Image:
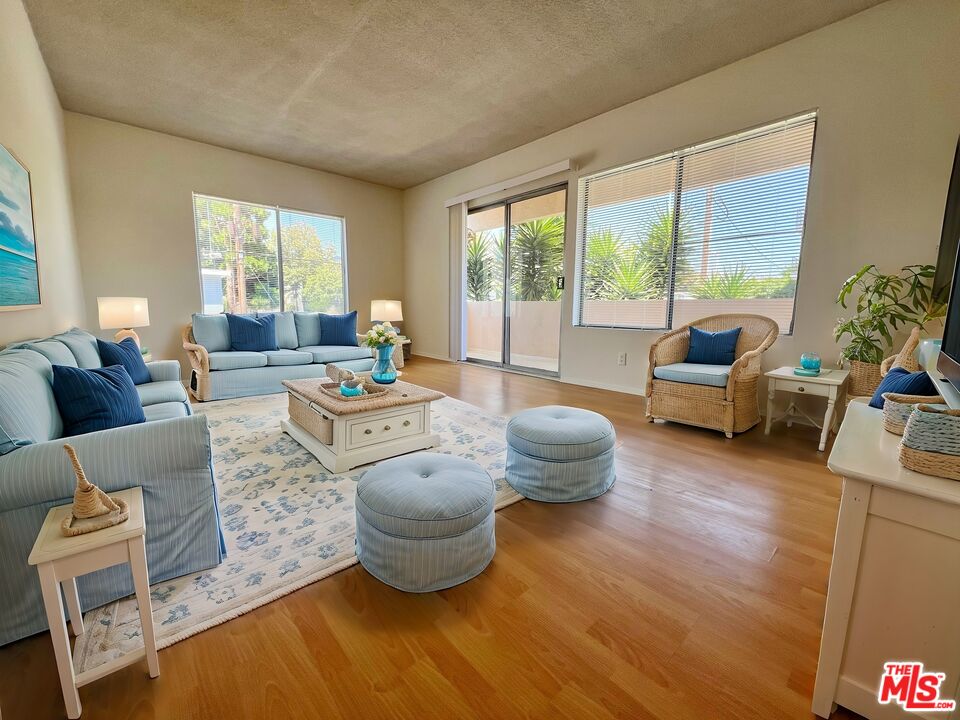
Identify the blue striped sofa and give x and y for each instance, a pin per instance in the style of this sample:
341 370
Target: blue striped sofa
219 373
169 457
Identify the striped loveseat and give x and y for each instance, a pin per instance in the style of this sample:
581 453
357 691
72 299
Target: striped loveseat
169 456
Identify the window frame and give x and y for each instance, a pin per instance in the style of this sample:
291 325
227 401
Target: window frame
679 154
277 209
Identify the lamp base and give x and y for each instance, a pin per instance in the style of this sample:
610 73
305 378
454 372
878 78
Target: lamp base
127 333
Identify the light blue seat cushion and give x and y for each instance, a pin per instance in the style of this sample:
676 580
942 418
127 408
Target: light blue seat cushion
425 521
166 410
286 329
28 410
288 357
236 360
556 432
155 393
335 353
211 331
53 350
83 345
694 373
560 454
308 328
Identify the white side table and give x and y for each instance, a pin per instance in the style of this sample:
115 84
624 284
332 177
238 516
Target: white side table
60 560
831 383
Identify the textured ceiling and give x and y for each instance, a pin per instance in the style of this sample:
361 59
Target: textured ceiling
392 92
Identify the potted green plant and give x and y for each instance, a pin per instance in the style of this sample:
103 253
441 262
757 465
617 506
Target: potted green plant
883 304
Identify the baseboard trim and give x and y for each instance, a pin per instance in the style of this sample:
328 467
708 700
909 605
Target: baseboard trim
432 356
627 389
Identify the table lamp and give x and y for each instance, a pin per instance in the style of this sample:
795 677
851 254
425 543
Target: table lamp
386 310
124 313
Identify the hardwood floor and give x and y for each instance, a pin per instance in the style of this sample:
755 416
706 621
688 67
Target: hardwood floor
694 588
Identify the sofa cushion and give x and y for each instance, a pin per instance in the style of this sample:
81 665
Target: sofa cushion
231 360
713 348
83 345
286 330
253 334
335 353
126 353
165 411
308 328
694 373
211 331
901 380
288 357
338 329
95 399
28 411
53 350
155 393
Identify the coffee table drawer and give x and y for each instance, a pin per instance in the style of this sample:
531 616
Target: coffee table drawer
385 426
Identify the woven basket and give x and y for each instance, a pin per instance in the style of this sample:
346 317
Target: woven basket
864 377
309 419
897 408
931 442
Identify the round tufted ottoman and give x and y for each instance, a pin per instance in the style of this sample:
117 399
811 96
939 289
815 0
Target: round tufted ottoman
425 521
560 454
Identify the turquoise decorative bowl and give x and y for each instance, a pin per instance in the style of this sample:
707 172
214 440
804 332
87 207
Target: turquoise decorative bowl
351 392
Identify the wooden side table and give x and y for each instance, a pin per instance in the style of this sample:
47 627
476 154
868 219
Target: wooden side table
831 383
60 560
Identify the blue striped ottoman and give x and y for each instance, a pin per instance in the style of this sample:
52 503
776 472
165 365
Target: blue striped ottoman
560 454
425 521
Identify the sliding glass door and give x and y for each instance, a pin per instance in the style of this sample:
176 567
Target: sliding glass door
514 257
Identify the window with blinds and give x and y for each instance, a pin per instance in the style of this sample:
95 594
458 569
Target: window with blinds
709 229
264 258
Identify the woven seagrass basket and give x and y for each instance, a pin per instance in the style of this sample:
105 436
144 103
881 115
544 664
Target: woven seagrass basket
897 408
864 378
931 442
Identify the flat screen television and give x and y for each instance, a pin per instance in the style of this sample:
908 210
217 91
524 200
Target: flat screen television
947 279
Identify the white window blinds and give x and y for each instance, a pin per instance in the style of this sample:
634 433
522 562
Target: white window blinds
733 246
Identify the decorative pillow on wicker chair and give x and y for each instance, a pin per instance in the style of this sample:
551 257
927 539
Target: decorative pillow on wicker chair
899 380
713 348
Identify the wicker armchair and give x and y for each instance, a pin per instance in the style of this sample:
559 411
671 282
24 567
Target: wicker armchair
731 409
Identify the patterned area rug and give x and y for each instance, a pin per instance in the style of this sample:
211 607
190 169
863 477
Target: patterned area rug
287 521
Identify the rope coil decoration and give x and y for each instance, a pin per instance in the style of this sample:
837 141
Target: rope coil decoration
93 509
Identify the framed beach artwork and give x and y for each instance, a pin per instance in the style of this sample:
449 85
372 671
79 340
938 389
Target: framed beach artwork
19 275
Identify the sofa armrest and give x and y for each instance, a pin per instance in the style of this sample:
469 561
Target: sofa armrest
158 456
199 358
164 370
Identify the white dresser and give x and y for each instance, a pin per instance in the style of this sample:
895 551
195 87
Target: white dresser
894 590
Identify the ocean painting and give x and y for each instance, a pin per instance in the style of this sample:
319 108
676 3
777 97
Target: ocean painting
19 277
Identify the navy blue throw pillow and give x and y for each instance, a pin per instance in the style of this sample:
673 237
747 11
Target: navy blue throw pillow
95 399
899 380
126 353
713 348
253 334
338 329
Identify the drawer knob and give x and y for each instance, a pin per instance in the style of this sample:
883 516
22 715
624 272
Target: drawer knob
386 428
801 388
406 423
368 431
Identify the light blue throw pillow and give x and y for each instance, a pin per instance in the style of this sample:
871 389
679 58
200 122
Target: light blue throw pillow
308 328
211 331
286 330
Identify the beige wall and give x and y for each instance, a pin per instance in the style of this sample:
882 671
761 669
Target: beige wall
884 82
133 197
31 127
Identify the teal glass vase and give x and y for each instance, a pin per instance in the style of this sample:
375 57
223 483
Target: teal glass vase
384 371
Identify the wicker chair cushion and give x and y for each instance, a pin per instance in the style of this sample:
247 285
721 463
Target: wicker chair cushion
694 374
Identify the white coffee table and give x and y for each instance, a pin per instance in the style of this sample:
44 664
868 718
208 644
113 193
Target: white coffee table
60 559
831 384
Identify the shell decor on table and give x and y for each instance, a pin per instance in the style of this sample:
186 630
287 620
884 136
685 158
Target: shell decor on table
93 509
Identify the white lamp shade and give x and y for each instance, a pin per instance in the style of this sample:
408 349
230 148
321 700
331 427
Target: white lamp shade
123 312
383 310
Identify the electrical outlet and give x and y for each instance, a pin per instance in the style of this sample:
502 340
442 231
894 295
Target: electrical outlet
622 359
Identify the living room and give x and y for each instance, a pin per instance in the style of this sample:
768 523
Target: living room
499 225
